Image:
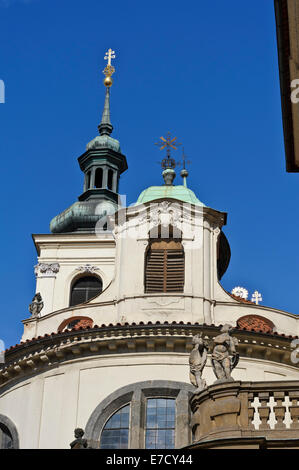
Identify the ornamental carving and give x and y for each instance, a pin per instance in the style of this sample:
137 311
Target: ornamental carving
46 269
165 213
87 268
256 323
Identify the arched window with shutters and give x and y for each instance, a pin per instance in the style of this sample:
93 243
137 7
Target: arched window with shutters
165 265
84 289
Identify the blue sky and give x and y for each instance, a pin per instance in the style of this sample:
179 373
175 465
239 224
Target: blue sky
206 71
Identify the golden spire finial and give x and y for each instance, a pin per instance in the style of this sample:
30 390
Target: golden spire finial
109 69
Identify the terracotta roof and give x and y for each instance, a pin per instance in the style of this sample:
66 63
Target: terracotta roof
148 324
256 323
240 299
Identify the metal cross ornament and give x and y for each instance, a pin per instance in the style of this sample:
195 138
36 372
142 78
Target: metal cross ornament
184 162
168 143
256 297
110 54
109 69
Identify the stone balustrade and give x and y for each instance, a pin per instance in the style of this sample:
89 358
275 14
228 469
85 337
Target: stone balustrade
246 414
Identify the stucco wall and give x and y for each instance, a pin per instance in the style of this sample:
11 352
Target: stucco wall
46 408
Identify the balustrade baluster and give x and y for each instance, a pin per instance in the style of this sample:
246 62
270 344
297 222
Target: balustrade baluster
264 410
279 410
251 411
294 409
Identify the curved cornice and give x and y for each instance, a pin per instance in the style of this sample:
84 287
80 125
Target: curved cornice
42 353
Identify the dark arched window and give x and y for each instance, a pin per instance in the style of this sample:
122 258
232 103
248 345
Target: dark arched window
6 440
84 289
110 179
8 434
164 266
115 434
98 181
88 176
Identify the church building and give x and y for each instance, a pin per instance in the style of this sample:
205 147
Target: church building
120 293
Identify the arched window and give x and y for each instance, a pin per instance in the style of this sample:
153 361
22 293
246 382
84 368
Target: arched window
98 181
88 176
84 289
8 434
75 322
256 323
115 434
110 179
164 265
143 415
6 441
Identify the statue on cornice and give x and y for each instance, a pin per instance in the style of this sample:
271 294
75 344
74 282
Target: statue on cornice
36 305
79 442
224 355
197 361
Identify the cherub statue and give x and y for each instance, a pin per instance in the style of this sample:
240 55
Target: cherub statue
197 361
36 305
224 346
79 442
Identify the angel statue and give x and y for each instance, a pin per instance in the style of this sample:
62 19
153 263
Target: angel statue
197 361
36 305
224 356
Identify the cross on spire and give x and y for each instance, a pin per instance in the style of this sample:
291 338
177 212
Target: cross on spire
184 162
110 54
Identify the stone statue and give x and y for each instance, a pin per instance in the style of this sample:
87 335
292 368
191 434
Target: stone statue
224 355
36 305
79 442
197 361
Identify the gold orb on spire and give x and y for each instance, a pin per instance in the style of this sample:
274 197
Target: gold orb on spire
107 81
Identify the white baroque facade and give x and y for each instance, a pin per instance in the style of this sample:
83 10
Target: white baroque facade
125 346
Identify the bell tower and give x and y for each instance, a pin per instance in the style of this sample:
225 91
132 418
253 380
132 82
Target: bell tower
102 164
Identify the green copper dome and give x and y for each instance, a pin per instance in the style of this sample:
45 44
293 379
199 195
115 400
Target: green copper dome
179 192
103 141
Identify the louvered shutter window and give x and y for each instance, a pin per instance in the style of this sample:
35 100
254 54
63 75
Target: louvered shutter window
164 271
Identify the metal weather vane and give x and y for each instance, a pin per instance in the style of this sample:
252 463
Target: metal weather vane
168 143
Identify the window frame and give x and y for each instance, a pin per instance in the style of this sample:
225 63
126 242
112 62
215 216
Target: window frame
9 425
136 394
114 412
145 418
76 279
167 278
